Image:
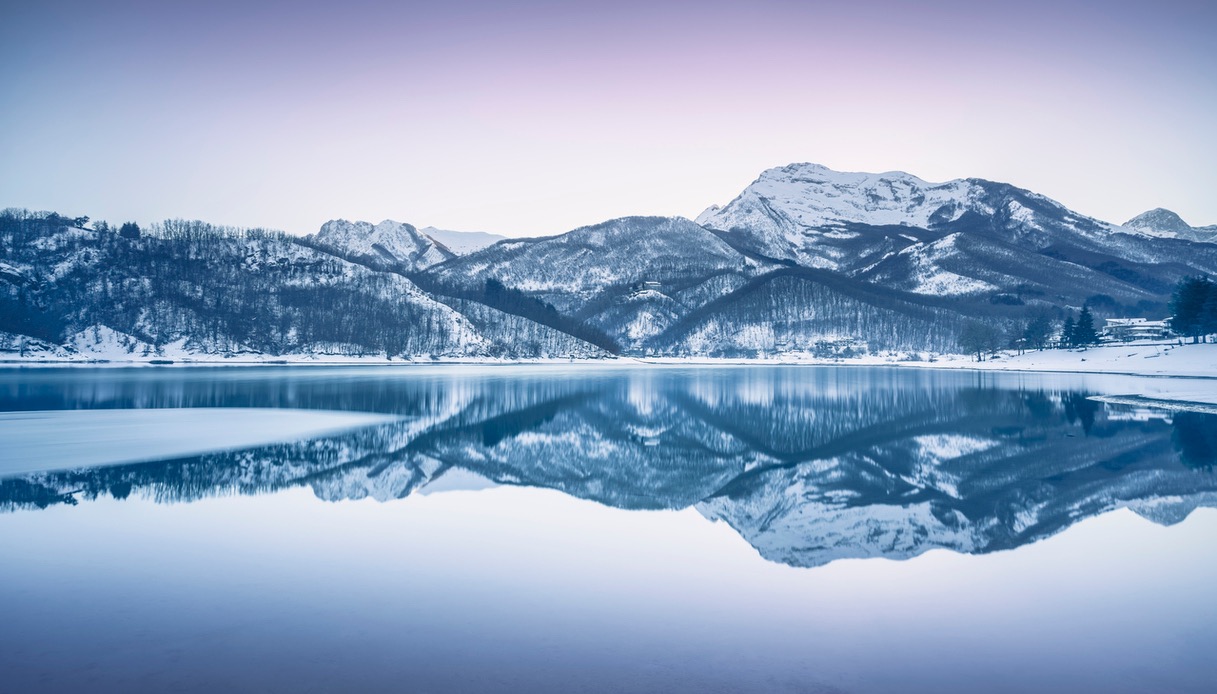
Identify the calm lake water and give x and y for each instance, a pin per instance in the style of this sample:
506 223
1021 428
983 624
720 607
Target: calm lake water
601 529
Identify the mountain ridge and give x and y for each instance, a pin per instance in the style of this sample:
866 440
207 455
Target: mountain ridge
805 259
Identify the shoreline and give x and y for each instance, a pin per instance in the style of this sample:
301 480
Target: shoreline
1149 360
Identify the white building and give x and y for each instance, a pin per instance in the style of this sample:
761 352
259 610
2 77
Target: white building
1130 329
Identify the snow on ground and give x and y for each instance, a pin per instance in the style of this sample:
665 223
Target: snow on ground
64 439
1144 360
1141 360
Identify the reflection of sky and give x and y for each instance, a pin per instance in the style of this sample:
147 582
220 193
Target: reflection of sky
538 116
525 589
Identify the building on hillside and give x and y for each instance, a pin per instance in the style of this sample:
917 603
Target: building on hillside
1130 329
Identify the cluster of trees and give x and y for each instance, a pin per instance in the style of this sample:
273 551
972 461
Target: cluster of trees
1081 333
978 339
1193 313
794 309
1037 332
1193 308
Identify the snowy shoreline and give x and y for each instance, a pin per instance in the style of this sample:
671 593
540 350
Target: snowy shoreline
1157 360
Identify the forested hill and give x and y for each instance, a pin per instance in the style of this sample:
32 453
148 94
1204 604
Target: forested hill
187 289
805 260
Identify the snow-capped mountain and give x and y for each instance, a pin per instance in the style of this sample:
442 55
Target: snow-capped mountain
389 245
1162 223
804 260
812 196
818 217
968 237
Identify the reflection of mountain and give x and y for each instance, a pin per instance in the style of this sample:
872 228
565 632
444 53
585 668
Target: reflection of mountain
808 465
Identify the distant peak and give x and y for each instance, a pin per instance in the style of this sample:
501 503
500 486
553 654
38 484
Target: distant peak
800 170
1159 219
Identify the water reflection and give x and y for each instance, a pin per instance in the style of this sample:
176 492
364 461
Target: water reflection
807 465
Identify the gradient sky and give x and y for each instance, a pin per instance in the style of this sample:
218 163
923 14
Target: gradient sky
537 117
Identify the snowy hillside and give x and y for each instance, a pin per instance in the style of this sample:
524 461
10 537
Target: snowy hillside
631 277
194 291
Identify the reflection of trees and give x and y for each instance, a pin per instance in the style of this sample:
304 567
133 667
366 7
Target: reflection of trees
794 461
1195 437
1080 408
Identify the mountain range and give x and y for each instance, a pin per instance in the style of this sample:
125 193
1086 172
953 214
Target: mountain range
804 260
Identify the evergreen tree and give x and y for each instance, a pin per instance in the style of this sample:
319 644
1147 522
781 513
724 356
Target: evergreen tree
1187 306
1208 313
1067 332
1084 333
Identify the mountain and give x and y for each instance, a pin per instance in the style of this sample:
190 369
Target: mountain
967 238
188 290
817 217
462 242
804 260
389 245
631 277
1163 223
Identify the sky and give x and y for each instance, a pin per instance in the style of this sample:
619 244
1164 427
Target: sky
536 117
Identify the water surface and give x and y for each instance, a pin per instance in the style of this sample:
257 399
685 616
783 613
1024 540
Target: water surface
621 529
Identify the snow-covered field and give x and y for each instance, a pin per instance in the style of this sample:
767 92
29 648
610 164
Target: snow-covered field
1141 359
65 439
1145 360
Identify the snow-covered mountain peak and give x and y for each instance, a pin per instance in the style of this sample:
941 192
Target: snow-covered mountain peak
813 195
1158 220
817 217
1163 223
390 243
818 173
707 214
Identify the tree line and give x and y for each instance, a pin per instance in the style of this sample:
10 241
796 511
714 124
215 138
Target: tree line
1193 308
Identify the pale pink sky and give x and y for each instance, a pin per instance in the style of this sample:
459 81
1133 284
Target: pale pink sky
537 117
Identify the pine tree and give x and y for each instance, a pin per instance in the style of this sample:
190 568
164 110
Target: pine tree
1084 333
1208 313
1187 305
129 230
1068 332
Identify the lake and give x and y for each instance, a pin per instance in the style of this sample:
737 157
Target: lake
602 529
